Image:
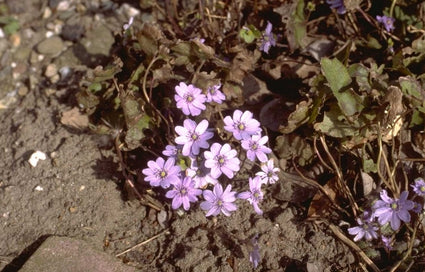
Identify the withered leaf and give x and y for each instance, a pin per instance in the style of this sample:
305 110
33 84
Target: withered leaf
74 118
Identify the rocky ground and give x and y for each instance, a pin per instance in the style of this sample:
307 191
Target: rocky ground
78 191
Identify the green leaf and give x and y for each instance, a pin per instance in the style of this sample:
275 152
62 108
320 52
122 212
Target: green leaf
300 28
338 78
335 126
249 33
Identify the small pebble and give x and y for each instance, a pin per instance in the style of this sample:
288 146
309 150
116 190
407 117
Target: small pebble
52 46
23 90
15 39
47 13
38 188
35 157
51 70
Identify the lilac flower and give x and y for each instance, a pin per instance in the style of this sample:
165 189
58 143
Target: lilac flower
162 173
183 192
217 201
417 207
419 187
338 5
255 195
388 22
268 172
171 151
365 228
189 99
200 174
193 136
393 210
130 22
267 40
387 242
242 125
214 94
222 159
255 147
254 255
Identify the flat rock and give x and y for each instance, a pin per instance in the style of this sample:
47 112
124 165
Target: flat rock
71 255
52 46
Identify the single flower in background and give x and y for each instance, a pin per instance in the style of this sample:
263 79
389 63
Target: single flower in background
365 228
268 39
218 201
393 210
183 193
268 173
338 5
388 22
419 187
162 173
254 195
214 94
190 99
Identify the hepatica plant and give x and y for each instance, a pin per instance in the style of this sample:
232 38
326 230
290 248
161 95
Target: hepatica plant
213 164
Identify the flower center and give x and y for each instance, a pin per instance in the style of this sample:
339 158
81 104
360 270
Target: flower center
241 126
220 202
194 136
394 206
162 174
183 191
422 189
189 98
254 146
221 160
270 174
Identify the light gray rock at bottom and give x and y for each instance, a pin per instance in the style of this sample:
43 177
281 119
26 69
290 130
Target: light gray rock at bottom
71 255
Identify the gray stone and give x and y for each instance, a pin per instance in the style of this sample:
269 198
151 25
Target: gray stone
52 46
98 41
71 255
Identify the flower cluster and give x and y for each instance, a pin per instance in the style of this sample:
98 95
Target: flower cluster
388 211
211 160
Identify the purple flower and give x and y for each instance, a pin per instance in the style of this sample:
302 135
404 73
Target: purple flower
338 5
268 173
214 94
242 125
171 151
162 173
183 192
388 22
417 207
254 255
255 195
193 136
419 187
267 40
217 201
189 99
200 174
365 229
255 147
387 242
393 210
221 159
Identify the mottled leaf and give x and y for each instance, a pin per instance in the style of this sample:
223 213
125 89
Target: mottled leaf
338 78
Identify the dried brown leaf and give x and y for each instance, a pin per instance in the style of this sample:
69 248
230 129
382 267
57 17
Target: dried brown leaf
74 118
